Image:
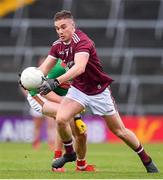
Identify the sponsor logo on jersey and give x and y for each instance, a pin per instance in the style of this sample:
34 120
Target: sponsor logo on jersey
61 52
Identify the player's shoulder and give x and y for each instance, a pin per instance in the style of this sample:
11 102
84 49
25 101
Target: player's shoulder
57 42
79 36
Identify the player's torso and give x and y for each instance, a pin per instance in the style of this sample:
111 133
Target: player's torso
93 76
66 53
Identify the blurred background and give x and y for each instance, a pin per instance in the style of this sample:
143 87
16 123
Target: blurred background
129 38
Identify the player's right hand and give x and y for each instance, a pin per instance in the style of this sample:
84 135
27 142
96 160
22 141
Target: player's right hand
48 85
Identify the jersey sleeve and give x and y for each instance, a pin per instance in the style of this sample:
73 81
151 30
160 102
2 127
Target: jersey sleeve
53 51
84 46
33 92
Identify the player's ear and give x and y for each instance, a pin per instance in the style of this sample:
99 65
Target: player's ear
73 24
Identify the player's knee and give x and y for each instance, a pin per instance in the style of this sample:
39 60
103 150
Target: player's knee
61 120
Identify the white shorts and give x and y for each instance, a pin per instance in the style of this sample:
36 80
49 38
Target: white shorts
35 113
34 104
100 104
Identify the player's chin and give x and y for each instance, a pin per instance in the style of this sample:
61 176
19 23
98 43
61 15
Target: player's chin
64 39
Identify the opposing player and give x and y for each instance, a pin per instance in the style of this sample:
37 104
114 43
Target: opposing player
38 120
48 105
90 87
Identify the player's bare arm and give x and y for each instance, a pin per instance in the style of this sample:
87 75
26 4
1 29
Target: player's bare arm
47 65
78 68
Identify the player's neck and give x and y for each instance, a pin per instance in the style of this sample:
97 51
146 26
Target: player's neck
67 43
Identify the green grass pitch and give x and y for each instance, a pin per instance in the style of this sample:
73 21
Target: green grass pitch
113 161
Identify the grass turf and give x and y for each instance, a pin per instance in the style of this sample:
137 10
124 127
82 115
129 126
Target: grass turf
113 161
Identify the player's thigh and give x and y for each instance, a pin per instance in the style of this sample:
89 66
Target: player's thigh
68 109
102 103
114 122
50 108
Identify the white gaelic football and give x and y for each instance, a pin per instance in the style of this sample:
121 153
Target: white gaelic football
32 77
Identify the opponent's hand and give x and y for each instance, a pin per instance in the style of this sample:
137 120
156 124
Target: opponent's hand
48 85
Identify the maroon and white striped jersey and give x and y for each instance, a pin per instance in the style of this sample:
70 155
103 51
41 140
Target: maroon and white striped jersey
94 80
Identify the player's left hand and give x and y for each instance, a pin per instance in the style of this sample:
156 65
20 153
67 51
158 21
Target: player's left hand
48 85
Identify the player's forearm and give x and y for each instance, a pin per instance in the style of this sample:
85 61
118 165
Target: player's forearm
71 74
47 65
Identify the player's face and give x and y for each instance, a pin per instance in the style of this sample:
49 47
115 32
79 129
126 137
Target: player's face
65 29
